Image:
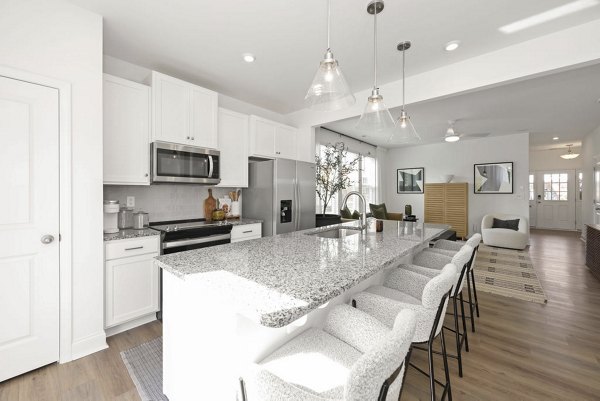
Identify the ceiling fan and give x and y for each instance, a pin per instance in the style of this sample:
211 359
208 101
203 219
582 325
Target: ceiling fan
453 136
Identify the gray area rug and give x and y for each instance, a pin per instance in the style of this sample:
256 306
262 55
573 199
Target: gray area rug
144 364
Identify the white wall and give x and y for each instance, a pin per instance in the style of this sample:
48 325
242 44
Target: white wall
458 159
591 156
59 40
136 73
540 160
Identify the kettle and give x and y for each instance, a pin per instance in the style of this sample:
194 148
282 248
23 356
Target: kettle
140 220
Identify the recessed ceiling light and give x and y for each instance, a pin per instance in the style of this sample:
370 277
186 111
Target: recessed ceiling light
451 46
549 15
555 138
248 58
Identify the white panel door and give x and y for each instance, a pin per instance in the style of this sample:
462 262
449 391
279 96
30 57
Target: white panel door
556 199
29 215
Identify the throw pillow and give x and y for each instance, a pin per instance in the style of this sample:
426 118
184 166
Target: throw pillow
345 212
510 224
356 215
379 211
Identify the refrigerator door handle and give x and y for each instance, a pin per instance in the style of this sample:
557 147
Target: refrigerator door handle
295 214
299 219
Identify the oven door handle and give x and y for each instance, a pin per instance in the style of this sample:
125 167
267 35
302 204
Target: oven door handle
210 166
202 240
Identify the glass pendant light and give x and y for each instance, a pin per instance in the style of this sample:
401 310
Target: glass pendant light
329 90
376 118
405 131
569 154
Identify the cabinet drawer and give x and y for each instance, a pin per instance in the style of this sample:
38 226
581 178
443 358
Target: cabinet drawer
131 247
246 231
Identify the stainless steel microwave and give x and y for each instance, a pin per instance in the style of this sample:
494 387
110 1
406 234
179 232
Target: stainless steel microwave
175 163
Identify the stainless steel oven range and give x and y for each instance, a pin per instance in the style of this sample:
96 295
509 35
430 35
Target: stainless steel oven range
185 235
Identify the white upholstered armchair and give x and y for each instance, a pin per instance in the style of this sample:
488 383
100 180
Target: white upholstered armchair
505 237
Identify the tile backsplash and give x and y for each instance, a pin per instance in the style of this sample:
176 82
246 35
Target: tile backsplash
165 201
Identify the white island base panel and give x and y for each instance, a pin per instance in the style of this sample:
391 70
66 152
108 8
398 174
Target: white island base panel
207 344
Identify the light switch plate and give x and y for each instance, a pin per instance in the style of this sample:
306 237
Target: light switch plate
131 201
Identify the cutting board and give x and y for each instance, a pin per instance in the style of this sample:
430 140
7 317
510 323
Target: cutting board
210 204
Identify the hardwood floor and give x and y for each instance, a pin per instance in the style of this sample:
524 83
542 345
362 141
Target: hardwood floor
521 350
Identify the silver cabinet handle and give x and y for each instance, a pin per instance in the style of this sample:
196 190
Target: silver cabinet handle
47 239
188 137
246 232
146 175
137 247
192 138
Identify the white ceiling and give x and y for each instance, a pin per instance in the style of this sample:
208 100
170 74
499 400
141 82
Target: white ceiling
564 104
202 41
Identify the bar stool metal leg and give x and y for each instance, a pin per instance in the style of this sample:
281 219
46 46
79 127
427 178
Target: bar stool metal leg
470 303
475 292
457 335
464 323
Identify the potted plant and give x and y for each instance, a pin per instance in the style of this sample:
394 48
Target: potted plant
333 174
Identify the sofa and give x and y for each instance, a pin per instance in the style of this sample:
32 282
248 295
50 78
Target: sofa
505 237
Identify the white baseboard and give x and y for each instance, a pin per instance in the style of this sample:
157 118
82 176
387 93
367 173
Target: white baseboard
88 345
111 331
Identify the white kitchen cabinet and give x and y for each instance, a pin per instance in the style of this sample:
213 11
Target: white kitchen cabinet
246 232
183 113
285 141
126 132
305 145
271 139
262 137
233 144
131 281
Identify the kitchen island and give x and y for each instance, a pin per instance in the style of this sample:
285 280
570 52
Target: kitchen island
229 305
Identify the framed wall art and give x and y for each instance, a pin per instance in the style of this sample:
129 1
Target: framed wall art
410 180
493 178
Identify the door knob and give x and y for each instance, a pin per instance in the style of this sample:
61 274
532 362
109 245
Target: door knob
47 239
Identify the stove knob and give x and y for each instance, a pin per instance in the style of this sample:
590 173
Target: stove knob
168 229
175 228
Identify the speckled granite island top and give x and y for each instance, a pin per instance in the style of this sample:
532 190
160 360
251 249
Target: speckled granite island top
130 233
276 280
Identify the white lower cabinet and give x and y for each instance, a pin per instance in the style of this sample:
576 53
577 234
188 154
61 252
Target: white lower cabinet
246 232
131 282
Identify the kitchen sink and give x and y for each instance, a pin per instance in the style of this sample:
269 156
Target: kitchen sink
337 233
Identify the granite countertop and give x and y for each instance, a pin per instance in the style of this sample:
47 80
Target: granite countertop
242 221
130 233
276 280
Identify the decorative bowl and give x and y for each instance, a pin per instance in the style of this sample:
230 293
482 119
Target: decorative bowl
218 215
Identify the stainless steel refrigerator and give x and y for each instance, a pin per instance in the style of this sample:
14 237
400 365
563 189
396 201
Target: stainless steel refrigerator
280 192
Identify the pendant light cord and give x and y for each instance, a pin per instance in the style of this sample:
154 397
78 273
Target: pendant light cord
403 80
375 46
328 24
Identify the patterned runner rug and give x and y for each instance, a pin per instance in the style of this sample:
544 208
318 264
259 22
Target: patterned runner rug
509 273
144 364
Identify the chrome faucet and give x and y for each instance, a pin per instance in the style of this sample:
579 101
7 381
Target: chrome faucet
363 216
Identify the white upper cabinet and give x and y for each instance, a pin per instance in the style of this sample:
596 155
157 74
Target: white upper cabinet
262 137
285 141
183 113
233 144
271 139
305 145
126 132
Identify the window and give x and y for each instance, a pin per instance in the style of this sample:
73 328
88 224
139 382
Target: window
531 187
364 180
556 187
